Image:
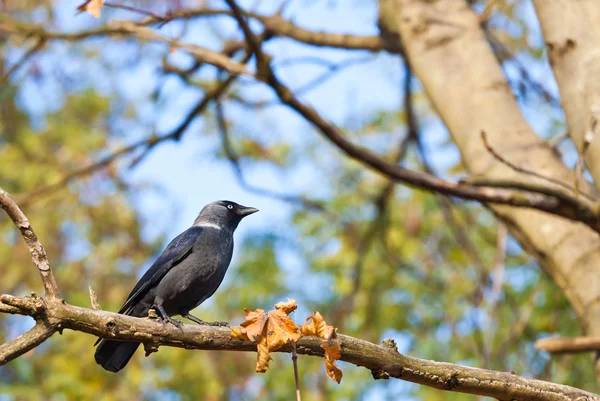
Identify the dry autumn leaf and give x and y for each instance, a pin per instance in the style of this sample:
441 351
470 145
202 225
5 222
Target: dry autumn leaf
315 325
92 6
333 351
288 307
270 330
254 324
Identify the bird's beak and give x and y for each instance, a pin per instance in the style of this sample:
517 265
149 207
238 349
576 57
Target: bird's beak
246 211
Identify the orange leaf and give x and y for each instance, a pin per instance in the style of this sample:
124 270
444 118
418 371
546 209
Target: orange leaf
254 324
288 307
236 332
316 326
332 370
263 358
92 6
270 330
281 330
333 351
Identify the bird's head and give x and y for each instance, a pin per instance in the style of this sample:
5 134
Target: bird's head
223 214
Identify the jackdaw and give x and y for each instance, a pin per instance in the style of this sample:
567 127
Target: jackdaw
187 273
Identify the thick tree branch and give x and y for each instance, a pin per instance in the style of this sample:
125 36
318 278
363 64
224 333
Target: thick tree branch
383 360
25 342
570 34
569 345
38 253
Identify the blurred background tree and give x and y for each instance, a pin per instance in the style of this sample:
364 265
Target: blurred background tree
442 276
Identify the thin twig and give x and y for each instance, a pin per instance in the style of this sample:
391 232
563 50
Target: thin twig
34 49
211 95
557 140
504 54
94 299
239 174
332 69
296 376
138 11
26 198
487 11
523 170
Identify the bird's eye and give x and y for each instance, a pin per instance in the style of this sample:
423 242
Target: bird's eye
230 207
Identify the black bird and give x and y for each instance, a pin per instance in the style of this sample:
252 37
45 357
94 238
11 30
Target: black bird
187 273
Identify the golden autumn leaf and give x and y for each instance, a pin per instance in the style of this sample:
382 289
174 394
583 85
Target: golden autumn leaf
333 351
315 325
254 323
288 306
264 356
93 7
237 333
270 330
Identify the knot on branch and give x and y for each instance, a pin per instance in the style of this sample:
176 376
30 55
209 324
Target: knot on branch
452 382
390 343
111 325
151 347
380 374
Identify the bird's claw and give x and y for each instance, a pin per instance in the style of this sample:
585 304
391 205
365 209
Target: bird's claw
219 324
174 322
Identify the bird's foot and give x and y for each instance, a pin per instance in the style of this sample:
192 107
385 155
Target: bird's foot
174 322
203 323
166 318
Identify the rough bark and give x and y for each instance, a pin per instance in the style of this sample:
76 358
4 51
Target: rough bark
572 37
450 55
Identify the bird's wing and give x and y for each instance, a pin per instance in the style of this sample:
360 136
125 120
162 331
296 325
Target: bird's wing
175 252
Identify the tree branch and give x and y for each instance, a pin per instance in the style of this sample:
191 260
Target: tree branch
384 360
32 51
38 253
569 345
275 25
25 342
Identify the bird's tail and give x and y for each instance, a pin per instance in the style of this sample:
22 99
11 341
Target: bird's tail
114 355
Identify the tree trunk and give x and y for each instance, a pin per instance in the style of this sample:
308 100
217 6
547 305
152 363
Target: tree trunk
572 37
449 53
